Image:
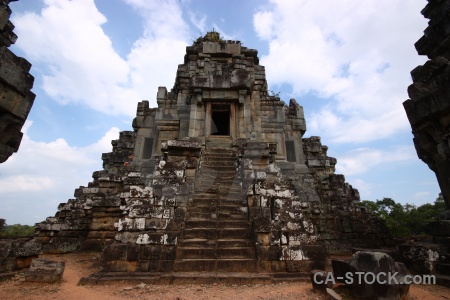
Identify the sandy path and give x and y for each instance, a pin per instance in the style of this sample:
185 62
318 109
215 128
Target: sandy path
80 265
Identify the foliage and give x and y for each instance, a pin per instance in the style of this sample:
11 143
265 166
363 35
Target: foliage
210 36
406 220
16 230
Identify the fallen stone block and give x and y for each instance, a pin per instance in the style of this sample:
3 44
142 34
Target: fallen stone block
43 270
373 275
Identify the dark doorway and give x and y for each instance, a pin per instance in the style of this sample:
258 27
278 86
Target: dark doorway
220 117
290 151
148 148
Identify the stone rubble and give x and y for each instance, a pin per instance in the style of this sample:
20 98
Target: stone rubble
44 270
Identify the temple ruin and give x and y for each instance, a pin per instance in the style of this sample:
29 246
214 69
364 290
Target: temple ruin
218 178
428 109
16 82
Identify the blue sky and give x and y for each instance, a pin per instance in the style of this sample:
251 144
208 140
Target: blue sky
347 62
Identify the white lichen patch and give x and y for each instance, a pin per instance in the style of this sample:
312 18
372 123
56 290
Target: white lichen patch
137 191
308 225
293 226
134 174
243 209
139 223
284 194
287 253
278 203
261 175
92 190
264 201
433 255
142 239
124 224
284 239
272 168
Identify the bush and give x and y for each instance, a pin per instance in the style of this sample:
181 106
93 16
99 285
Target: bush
16 230
406 220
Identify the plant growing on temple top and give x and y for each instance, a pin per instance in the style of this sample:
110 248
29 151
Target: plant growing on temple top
213 36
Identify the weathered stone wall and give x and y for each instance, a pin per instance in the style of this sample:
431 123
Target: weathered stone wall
428 108
16 82
428 111
17 253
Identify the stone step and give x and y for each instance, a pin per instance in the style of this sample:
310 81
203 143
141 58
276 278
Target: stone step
217 168
236 252
220 243
196 253
197 242
201 190
201 216
443 269
214 233
210 265
219 145
216 187
202 209
223 243
189 224
223 216
225 201
179 278
233 196
205 201
207 209
218 157
218 163
232 209
230 201
216 253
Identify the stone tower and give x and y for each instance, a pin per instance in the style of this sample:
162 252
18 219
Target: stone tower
218 178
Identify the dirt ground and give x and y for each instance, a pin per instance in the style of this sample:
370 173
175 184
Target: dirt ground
80 265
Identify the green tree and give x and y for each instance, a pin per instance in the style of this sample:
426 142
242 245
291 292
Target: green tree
17 230
405 220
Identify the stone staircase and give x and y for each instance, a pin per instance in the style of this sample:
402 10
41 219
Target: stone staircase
218 236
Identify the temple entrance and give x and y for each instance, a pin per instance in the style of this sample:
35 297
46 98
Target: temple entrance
220 117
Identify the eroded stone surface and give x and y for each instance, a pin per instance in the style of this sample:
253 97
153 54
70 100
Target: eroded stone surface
16 82
218 178
44 270
390 284
428 108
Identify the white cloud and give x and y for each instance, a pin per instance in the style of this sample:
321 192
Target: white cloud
22 183
42 175
421 196
264 23
357 53
361 160
198 21
77 62
364 188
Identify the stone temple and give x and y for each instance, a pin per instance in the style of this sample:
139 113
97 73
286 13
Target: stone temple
218 178
16 98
